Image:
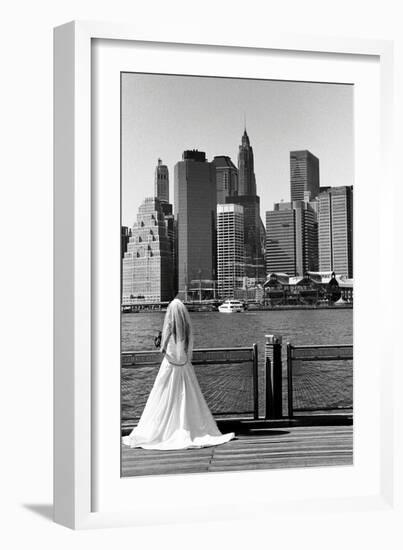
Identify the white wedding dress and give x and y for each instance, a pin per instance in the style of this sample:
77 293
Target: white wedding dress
176 415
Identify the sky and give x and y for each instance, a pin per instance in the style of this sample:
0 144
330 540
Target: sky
163 115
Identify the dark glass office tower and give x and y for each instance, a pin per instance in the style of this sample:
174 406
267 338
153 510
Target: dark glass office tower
304 174
226 178
195 213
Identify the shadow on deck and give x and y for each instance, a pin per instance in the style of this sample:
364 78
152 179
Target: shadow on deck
302 442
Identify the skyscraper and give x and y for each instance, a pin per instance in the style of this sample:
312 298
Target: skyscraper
147 264
304 172
335 216
161 190
125 234
230 249
226 178
246 170
291 239
170 224
254 233
195 213
161 182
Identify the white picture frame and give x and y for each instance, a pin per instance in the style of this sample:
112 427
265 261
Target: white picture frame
79 319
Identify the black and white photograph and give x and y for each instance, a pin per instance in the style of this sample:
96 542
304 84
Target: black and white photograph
237 281
208 351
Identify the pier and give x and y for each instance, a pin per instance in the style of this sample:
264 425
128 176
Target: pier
295 410
260 446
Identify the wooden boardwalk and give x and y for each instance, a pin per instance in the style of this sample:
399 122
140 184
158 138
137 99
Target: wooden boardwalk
256 448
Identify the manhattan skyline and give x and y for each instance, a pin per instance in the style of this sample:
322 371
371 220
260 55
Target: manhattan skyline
164 115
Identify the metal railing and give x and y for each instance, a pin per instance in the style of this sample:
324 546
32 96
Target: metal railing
297 355
210 357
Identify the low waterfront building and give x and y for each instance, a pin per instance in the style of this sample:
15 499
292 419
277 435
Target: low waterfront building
201 290
251 294
312 288
345 284
147 264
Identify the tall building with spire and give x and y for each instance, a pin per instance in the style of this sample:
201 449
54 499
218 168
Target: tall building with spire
246 170
254 232
161 191
161 185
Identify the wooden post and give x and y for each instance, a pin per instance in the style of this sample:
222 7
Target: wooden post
274 377
289 379
255 383
269 409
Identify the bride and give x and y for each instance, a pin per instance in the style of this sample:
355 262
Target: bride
176 415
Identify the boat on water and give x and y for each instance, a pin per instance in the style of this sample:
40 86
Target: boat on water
231 306
128 309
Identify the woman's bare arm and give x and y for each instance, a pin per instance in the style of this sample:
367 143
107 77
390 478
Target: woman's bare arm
164 341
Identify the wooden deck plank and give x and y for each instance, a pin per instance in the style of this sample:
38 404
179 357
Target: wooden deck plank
291 447
279 465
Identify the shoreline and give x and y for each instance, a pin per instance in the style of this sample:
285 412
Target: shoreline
250 310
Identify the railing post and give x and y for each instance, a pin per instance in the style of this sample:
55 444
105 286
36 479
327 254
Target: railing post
269 409
274 376
255 383
289 381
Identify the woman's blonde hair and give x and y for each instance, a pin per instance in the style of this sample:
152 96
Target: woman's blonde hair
176 324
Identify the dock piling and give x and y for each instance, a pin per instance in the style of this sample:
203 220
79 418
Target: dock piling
274 376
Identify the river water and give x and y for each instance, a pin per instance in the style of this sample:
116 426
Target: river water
220 330
215 330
